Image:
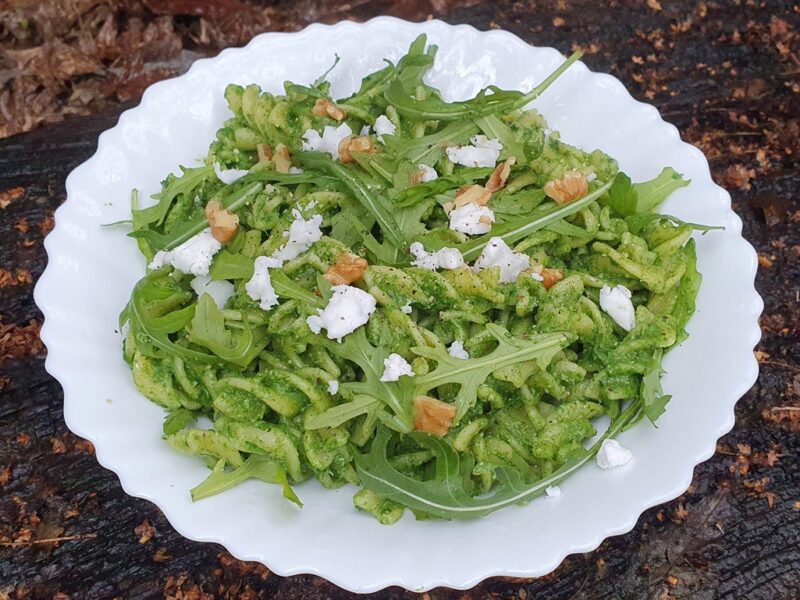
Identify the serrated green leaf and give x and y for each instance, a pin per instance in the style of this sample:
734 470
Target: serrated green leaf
445 495
472 372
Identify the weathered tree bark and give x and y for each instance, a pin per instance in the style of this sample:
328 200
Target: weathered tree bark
726 73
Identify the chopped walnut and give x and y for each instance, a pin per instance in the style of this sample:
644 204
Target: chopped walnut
264 152
223 222
361 143
497 180
347 269
432 415
568 188
281 159
550 277
325 108
472 194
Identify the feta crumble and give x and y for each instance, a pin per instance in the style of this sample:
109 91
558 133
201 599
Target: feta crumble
613 454
193 256
482 153
472 219
446 258
428 173
498 254
229 175
295 170
457 350
302 234
220 291
364 131
383 126
333 387
552 491
394 367
328 141
259 288
406 308
348 309
616 302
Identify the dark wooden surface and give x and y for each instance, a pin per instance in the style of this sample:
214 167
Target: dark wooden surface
726 73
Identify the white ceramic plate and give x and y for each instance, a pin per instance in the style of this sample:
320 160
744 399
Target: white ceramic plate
91 271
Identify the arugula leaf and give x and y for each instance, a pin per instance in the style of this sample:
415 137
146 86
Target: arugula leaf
417 193
516 203
177 420
627 199
489 100
255 467
493 127
564 228
231 266
687 290
514 230
654 401
185 184
397 395
622 196
233 201
650 194
376 205
472 372
638 222
337 415
208 329
286 288
445 495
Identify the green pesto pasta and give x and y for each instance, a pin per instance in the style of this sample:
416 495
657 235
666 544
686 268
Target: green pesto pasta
430 300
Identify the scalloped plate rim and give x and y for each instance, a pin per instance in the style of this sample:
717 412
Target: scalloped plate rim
753 309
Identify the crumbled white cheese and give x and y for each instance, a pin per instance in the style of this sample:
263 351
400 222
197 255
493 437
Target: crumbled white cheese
498 254
229 175
482 153
364 131
457 350
333 387
467 219
552 491
193 256
613 454
348 309
537 276
616 302
591 177
328 141
406 308
295 170
428 173
383 126
220 291
302 234
394 367
259 288
446 258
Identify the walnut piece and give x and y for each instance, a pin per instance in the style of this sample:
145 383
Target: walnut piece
432 415
281 158
264 152
223 222
497 180
325 108
550 277
361 143
570 187
347 269
471 194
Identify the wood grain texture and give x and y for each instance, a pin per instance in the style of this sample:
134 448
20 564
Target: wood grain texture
727 74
